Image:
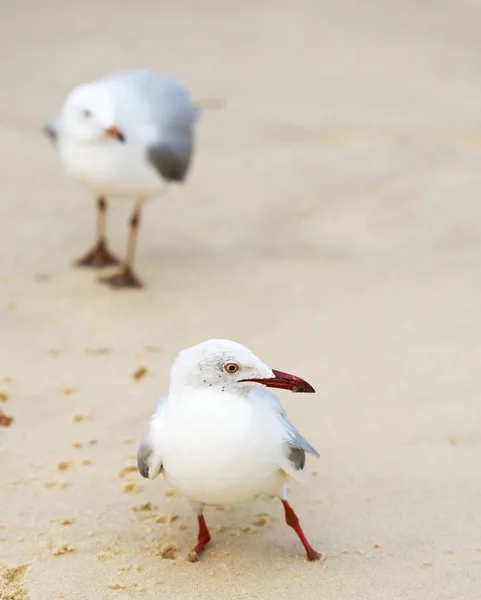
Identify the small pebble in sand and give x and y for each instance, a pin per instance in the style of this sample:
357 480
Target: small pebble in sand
376 545
58 485
170 493
86 462
3 396
170 518
359 551
169 550
97 351
315 473
142 507
58 550
262 521
128 441
5 420
66 521
7 379
453 441
68 391
427 563
248 529
104 556
161 519
80 418
127 469
149 348
132 488
93 442
345 551
182 527
65 465
76 445
117 586
139 373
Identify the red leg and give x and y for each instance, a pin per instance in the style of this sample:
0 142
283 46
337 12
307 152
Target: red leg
293 521
203 539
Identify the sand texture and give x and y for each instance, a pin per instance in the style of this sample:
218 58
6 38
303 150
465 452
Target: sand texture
331 222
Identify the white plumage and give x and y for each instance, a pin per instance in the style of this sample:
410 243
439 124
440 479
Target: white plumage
219 436
126 135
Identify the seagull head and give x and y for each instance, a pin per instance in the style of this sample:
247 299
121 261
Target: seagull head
88 114
224 365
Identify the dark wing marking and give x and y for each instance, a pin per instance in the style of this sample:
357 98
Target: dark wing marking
148 464
297 456
297 446
144 454
49 129
171 164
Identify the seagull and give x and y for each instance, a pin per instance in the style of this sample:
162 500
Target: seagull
220 437
126 135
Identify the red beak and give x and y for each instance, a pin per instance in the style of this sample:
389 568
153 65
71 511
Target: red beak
115 132
284 381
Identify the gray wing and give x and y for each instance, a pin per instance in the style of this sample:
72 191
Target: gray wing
50 129
148 464
144 454
296 445
171 162
167 106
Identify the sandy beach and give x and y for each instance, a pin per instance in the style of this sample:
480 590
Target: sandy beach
331 223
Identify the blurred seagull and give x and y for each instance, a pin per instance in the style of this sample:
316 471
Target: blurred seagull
126 135
220 437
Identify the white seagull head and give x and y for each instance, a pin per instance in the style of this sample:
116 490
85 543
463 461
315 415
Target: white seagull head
223 365
88 114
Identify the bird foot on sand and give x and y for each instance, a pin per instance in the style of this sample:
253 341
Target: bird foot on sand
313 555
124 279
193 556
99 257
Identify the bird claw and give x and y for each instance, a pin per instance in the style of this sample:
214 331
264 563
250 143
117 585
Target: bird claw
193 556
312 555
124 279
99 257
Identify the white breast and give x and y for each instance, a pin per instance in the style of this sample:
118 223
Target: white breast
110 167
220 448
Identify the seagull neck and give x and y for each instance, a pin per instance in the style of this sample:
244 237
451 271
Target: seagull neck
180 391
185 392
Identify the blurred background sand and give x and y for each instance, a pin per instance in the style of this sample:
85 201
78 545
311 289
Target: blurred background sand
331 222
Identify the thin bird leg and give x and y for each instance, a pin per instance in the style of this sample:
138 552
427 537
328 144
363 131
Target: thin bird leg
203 539
293 521
126 276
99 256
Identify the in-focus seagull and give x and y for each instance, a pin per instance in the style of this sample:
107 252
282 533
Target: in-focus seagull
220 437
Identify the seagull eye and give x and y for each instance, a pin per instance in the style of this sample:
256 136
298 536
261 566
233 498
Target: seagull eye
231 368
87 113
